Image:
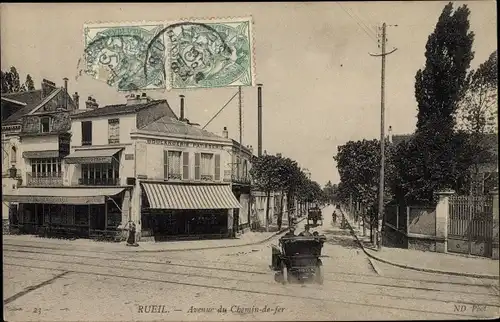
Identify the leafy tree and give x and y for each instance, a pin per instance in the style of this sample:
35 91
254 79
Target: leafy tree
265 173
431 158
477 115
30 85
10 82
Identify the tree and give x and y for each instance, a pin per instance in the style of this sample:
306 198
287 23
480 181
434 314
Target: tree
10 82
265 173
431 156
30 85
478 114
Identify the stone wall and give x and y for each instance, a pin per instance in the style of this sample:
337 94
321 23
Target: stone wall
421 244
394 238
5 227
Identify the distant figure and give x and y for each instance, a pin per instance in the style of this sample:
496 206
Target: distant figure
315 234
334 216
131 234
291 232
306 231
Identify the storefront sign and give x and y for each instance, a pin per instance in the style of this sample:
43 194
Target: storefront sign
56 200
184 144
129 156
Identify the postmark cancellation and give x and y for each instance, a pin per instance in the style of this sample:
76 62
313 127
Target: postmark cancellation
189 53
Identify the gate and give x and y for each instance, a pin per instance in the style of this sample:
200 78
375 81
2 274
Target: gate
470 225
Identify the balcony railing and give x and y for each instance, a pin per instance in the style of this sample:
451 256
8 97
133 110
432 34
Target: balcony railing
44 179
237 179
99 181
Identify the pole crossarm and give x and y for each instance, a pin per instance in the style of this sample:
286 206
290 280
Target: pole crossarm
381 55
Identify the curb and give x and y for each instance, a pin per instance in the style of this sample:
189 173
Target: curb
427 270
211 247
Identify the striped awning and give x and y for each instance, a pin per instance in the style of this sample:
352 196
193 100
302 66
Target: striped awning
71 196
185 196
92 156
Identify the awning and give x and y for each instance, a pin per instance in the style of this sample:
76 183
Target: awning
70 196
41 154
92 156
179 196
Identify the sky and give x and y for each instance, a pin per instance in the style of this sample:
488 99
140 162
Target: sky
321 86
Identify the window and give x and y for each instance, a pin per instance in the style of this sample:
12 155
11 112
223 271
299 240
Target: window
172 165
13 155
46 168
113 131
45 124
101 174
87 133
185 165
207 166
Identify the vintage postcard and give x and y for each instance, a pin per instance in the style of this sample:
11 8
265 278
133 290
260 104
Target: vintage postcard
300 161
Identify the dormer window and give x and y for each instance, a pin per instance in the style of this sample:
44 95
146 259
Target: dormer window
45 124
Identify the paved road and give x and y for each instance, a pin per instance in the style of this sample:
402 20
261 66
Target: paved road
43 283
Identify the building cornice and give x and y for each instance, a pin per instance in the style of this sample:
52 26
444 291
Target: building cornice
142 134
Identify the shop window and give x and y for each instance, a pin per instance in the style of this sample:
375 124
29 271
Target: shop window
46 168
113 131
87 133
45 124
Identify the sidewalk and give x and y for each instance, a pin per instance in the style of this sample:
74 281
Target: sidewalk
430 262
245 239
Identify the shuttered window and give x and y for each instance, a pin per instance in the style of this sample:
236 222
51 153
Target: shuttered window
197 174
217 167
165 164
185 165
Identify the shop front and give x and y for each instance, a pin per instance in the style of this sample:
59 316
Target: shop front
192 211
68 212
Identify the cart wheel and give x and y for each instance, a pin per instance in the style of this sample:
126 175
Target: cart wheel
284 274
319 273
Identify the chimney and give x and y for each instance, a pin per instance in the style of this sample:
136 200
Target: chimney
47 87
65 79
390 134
76 99
182 108
259 119
94 102
225 133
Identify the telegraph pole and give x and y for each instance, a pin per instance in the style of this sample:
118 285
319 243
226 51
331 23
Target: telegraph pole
240 119
378 235
259 119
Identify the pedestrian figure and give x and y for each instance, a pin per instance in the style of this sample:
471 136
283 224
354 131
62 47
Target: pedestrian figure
131 234
291 232
306 231
334 217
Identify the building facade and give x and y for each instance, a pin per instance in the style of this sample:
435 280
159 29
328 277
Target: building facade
131 162
35 138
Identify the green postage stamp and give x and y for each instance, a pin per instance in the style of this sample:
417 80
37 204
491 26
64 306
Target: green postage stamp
170 55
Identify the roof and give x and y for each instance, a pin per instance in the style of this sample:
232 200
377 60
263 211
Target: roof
171 125
31 98
116 109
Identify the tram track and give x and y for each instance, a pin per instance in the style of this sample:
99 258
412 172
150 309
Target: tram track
261 273
257 292
246 270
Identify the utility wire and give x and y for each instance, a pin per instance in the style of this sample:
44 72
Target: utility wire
357 21
220 110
